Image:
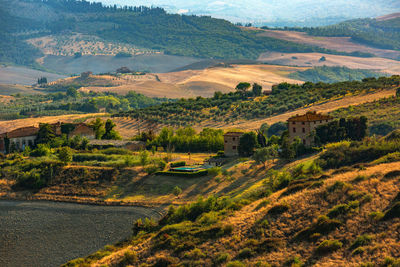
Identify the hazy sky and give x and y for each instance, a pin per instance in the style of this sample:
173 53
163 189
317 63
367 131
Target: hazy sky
273 10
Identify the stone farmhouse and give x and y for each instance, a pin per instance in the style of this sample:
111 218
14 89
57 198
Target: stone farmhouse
302 126
231 143
26 136
20 138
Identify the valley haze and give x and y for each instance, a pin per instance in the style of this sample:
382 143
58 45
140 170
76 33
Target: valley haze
274 12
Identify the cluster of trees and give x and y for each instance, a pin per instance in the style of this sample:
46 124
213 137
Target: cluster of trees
333 74
383 114
185 139
242 105
263 147
344 129
73 101
381 34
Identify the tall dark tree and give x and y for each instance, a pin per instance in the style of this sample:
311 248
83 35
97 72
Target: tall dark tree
247 144
243 87
46 134
257 89
110 133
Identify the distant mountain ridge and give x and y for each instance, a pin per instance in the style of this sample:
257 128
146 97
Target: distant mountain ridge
275 12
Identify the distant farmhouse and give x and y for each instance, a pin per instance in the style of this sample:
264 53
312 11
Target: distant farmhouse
20 138
231 143
302 126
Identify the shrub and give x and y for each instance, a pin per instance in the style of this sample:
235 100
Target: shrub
343 209
376 215
65 155
222 258
235 264
151 169
361 240
323 225
116 151
147 226
245 253
177 164
278 209
177 191
90 157
391 262
294 262
393 212
42 150
338 186
195 254
214 171
358 251
328 246
144 157
129 258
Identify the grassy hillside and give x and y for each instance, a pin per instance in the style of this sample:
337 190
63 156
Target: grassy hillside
383 114
316 211
150 28
236 106
377 33
71 102
332 74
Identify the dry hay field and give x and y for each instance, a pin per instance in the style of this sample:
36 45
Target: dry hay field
25 76
389 66
192 83
343 44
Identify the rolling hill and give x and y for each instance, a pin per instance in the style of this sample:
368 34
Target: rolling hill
275 13
141 28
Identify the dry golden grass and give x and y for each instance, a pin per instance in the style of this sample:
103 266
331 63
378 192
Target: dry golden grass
304 207
188 83
335 43
313 59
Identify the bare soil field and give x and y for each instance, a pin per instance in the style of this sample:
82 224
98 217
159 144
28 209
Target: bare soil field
10 89
105 63
343 44
313 60
192 83
49 234
24 76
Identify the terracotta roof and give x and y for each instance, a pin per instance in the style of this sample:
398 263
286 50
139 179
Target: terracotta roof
21 132
311 116
233 134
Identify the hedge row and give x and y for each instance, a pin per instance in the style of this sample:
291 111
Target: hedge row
178 164
184 174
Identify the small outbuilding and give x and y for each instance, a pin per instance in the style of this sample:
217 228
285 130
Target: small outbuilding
231 143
